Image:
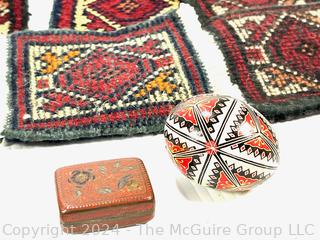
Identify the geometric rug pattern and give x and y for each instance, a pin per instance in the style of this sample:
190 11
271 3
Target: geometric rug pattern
107 15
273 55
207 9
13 15
68 85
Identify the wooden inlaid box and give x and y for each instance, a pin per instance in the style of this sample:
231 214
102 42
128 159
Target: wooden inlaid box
104 195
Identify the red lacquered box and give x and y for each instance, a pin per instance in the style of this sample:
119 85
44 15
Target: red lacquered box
104 195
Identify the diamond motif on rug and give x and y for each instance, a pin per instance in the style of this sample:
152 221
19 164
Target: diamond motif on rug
67 85
107 15
13 15
274 56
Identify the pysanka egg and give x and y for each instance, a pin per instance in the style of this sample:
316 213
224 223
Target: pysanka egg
221 142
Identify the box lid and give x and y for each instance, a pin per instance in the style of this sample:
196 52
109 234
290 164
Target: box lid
102 184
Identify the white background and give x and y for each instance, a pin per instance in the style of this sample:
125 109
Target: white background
292 196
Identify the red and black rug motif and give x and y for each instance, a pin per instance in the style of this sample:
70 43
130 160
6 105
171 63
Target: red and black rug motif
67 85
273 55
107 15
207 9
13 15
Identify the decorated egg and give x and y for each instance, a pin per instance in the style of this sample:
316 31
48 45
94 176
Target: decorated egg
221 142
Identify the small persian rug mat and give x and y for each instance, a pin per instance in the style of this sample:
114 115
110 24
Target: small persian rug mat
107 15
13 15
69 84
207 9
273 55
